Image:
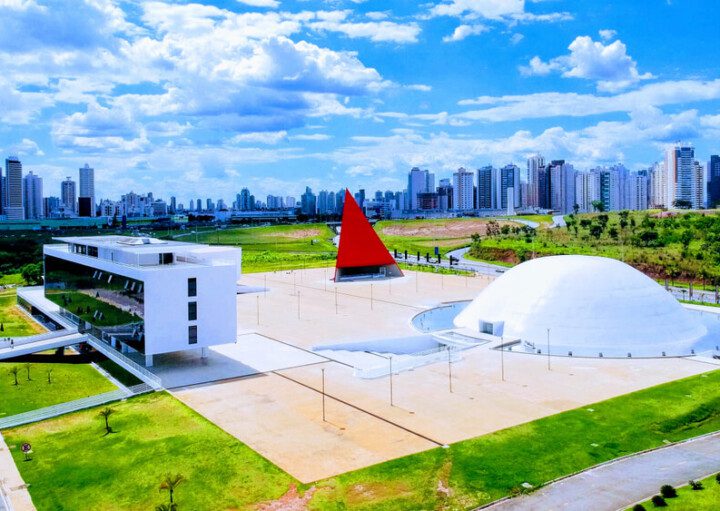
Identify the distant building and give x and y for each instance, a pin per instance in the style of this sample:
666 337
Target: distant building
308 202
68 196
51 207
535 165
87 189
685 178
486 189
419 181
509 183
14 209
713 174
462 190
33 196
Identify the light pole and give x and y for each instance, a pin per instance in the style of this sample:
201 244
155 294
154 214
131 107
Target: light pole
258 309
548 348
336 301
502 362
298 304
371 297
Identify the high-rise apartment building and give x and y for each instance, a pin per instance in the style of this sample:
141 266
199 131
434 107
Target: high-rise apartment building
463 190
486 189
87 189
14 209
33 196
508 192
658 194
419 181
308 202
535 165
713 178
68 196
685 179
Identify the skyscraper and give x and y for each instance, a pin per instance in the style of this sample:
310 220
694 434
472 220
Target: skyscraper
33 196
463 189
658 186
68 196
486 190
419 181
534 166
14 205
308 202
87 187
509 183
713 174
683 178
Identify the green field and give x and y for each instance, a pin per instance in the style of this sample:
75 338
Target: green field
707 499
70 381
271 248
12 279
75 466
157 434
15 323
683 248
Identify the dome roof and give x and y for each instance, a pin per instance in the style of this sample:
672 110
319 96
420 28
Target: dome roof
590 304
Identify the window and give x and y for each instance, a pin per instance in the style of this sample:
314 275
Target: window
92 251
165 258
192 287
192 334
192 311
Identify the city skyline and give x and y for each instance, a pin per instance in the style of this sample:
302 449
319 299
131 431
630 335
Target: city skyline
189 99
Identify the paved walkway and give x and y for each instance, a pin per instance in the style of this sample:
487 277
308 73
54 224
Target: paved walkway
11 483
619 484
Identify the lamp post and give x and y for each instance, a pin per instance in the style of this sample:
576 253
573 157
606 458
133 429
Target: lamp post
449 370
502 362
258 309
391 383
298 304
371 297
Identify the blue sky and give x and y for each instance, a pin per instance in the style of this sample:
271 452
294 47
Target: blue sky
201 99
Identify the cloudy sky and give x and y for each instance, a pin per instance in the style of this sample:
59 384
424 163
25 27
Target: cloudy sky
201 99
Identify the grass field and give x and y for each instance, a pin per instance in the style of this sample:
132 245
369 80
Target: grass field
76 466
157 434
707 499
69 382
423 236
15 323
12 279
277 247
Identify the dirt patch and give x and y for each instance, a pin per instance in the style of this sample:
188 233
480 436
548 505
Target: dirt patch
448 229
291 501
302 233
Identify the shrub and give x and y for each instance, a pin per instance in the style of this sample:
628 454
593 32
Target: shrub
667 491
638 507
717 477
695 485
658 501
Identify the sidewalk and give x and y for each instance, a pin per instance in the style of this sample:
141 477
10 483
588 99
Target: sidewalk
619 484
11 484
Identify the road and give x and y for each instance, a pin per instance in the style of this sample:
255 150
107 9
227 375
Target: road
621 483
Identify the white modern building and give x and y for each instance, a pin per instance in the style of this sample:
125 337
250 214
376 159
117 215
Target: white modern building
33 196
584 306
145 295
463 190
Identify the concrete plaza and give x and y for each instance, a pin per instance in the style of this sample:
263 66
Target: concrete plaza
279 412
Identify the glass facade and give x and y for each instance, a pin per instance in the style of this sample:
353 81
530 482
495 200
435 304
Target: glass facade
105 303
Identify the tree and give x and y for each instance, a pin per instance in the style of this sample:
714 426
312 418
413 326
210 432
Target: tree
598 205
14 371
595 231
668 491
576 208
27 369
49 371
105 413
170 484
613 232
32 273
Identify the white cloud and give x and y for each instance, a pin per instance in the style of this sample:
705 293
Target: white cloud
490 9
311 137
607 34
260 3
377 31
267 137
419 87
608 65
463 31
26 147
569 104
516 38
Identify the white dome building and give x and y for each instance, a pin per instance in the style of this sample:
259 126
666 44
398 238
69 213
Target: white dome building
591 305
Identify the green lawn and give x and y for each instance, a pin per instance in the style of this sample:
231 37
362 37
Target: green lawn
707 499
157 434
76 467
12 279
276 247
15 323
69 382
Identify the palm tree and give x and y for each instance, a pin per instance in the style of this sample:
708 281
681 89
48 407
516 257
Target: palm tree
170 483
49 374
165 507
27 368
106 413
14 371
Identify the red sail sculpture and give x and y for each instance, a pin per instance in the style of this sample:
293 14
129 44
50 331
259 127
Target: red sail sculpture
361 253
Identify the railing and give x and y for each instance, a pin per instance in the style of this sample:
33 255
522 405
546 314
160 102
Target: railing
72 406
125 362
408 362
